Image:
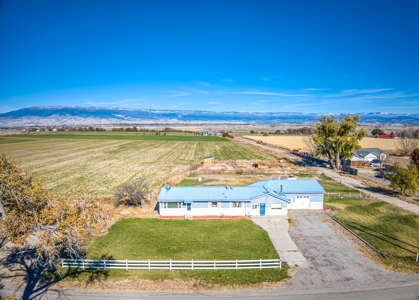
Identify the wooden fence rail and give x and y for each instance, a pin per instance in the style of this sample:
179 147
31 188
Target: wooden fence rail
171 264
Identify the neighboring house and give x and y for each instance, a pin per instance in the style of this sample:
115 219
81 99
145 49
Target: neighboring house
365 156
269 197
385 136
212 132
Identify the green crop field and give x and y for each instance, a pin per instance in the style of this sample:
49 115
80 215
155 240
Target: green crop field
137 136
154 239
100 162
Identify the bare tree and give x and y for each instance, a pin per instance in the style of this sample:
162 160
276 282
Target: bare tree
133 193
406 145
309 142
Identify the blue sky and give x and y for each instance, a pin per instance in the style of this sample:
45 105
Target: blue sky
289 56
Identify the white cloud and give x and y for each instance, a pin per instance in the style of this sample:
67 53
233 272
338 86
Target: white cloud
271 94
203 83
265 78
316 89
180 94
101 103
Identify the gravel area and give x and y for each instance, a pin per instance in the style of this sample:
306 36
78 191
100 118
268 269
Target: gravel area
334 261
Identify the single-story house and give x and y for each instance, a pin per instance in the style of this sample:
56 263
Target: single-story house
365 156
269 197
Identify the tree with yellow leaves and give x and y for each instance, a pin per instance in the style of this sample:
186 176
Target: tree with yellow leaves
49 223
336 139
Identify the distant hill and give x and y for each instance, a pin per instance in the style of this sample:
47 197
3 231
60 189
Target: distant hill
67 115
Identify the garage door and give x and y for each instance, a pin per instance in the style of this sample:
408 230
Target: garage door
301 202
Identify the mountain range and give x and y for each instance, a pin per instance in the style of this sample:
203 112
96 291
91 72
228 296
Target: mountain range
70 116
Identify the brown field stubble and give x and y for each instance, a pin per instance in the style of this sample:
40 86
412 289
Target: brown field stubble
290 142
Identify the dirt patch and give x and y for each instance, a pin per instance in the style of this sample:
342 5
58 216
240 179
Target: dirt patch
185 286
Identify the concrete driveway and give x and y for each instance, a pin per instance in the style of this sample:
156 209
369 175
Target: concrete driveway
277 229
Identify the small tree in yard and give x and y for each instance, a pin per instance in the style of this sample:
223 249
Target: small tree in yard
133 193
405 181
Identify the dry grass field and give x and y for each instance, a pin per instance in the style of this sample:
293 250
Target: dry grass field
100 165
291 142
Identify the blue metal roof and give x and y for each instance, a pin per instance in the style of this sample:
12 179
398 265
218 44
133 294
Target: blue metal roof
221 193
241 193
309 186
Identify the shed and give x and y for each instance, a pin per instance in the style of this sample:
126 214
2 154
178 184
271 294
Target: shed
208 161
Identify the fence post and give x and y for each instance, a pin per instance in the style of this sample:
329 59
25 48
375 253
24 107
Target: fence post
83 263
236 264
214 264
149 264
62 263
126 264
280 263
260 264
417 257
104 264
192 264
170 264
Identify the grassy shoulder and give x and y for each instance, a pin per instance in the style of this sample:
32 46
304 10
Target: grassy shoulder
391 230
142 239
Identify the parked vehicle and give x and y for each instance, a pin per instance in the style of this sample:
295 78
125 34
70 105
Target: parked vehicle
380 175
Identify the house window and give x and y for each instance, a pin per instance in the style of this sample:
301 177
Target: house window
236 204
213 204
254 206
172 204
276 206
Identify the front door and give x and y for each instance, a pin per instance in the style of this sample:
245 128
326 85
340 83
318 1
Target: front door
262 209
188 206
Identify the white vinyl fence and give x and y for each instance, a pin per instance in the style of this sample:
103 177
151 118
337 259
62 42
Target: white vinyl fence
171 264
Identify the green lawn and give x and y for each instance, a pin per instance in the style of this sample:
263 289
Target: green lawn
136 136
391 230
142 239
303 175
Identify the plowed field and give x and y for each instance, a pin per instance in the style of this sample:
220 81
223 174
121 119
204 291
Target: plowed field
67 165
